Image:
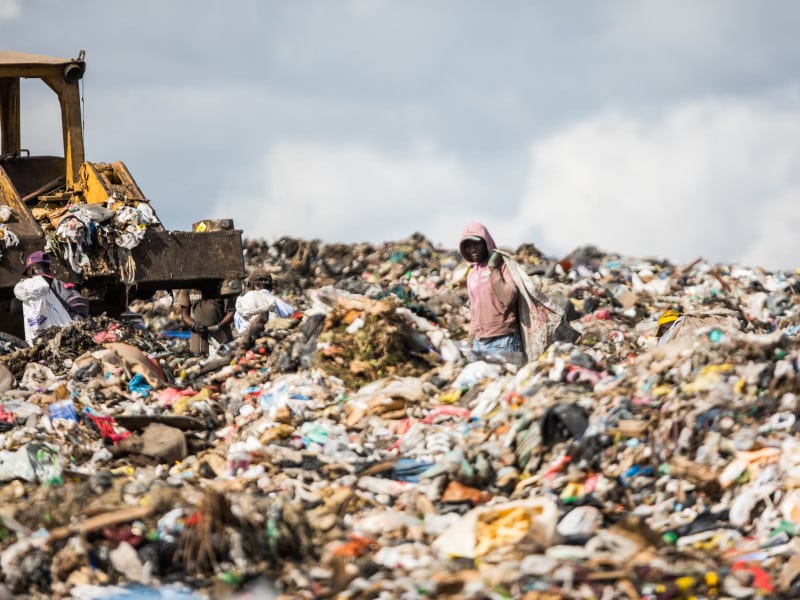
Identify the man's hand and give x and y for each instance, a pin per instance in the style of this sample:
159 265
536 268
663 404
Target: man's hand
213 328
201 329
495 260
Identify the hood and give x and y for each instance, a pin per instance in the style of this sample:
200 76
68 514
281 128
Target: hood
479 230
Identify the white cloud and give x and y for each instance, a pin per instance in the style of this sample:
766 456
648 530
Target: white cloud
775 233
353 192
716 178
10 9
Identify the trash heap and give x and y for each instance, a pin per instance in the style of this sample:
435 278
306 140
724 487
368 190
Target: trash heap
357 450
97 238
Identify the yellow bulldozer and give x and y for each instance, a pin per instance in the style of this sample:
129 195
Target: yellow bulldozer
99 229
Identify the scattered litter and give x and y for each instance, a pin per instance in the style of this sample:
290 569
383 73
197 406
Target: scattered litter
356 449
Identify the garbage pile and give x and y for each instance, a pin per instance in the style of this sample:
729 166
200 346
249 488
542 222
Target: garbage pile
357 450
97 238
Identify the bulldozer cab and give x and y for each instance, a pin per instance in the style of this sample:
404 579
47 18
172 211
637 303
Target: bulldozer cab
100 230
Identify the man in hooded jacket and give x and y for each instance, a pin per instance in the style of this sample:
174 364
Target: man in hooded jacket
77 306
494 328
44 300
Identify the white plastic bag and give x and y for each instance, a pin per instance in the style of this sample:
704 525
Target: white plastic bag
256 302
33 462
40 306
249 305
475 372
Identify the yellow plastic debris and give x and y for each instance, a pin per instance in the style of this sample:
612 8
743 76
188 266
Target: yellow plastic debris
450 397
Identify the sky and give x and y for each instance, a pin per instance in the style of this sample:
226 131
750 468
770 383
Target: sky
650 129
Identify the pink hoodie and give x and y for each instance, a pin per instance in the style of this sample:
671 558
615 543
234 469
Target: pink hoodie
491 317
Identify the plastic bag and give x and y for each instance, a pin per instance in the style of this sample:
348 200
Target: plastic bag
63 409
475 372
138 385
41 308
34 462
274 399
486 528
257 302
131 224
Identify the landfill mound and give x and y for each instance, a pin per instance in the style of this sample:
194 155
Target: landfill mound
358 450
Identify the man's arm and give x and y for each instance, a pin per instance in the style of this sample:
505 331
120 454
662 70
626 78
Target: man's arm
187 320
255 328
191 323
184 303
226 319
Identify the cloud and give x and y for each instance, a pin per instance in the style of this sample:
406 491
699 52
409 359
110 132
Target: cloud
10 9
716 178
354 192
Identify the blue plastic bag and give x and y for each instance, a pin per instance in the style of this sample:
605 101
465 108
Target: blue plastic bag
138 385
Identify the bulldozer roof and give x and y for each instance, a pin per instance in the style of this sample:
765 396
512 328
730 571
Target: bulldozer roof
21 64
9 58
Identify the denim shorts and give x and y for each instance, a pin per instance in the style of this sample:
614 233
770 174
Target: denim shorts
498 345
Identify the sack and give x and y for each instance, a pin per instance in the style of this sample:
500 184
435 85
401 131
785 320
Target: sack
258 302
541 321
254 303
689 325
75 304
41 308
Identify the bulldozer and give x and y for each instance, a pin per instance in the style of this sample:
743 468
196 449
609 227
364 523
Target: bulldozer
99 229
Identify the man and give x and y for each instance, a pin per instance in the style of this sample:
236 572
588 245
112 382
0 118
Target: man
209 318
47 301
494 328
253 308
